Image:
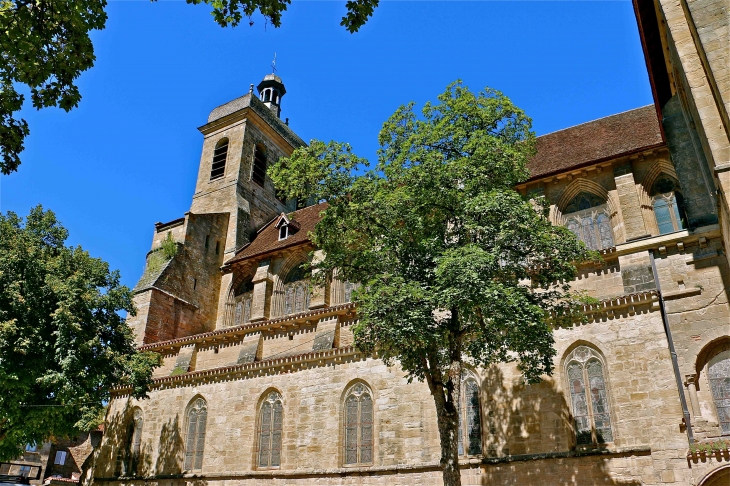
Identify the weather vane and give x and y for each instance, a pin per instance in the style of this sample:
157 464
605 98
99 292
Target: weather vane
273 65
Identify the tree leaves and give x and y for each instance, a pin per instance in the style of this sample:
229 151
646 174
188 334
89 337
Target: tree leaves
63 344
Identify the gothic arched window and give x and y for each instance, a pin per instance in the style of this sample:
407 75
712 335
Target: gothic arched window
587 217
588 396
197 417
470 420
358 423
668 205
718 372
128 458
349 289
258 172
243 299
296 292
218 168
270 428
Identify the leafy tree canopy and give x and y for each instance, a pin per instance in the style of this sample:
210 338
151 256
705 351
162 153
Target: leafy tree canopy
457 267
45 47
63 343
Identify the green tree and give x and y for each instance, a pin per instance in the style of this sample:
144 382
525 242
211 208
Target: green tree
63 342
456 266
45 47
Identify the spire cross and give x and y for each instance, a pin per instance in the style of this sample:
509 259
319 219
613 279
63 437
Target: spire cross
273 65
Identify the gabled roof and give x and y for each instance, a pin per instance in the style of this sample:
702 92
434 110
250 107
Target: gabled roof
267 238
598 140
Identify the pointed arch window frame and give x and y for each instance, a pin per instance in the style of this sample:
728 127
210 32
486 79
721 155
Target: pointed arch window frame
358 438
196 419
666 203
588 218
470 406
593 419
270 431
718 376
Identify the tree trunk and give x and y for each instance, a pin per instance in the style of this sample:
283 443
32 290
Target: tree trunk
446 396
448 424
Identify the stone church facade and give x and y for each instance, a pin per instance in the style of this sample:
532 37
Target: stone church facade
261 383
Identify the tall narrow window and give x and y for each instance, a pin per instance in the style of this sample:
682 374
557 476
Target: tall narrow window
258 172
243 298
195 440
358 422
270 428
349 289
667 203
133 445
470 423
718 373
588 397
587 217
296 292
218 169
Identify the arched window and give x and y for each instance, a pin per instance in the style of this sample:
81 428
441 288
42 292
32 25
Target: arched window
218 168
195 440
128 457
591 414
243 298
718 372
349 288
296 292
358 423
587 217
270 427
258 173
668 205
267 95
470 420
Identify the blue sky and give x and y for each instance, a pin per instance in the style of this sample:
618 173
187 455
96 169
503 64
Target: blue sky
128 155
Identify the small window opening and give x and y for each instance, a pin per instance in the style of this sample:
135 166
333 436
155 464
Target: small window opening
60 458
218 169
217 247
195 283
207 241
258 173
267 95
283 232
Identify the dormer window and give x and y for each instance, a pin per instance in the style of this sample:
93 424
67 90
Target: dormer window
283 225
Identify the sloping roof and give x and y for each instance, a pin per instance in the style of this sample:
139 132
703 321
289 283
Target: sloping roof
267 239
597 140
251 101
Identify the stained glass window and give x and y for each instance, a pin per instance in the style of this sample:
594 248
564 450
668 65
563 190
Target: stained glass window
587 217
590 406
195 440
296 292
358 423
718 373
470 425
270 430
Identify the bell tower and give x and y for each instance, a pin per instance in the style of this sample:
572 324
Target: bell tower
271 90
184 293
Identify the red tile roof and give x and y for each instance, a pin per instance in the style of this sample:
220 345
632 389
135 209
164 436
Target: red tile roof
267 238
595 141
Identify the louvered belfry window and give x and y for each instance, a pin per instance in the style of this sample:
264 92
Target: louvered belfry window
258 172
270 429
195 440
470 421
588 397
358 425
719 374
218 169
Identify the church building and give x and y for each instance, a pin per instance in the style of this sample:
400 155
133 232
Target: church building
261 382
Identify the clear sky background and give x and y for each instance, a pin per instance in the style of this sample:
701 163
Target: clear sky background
128 155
